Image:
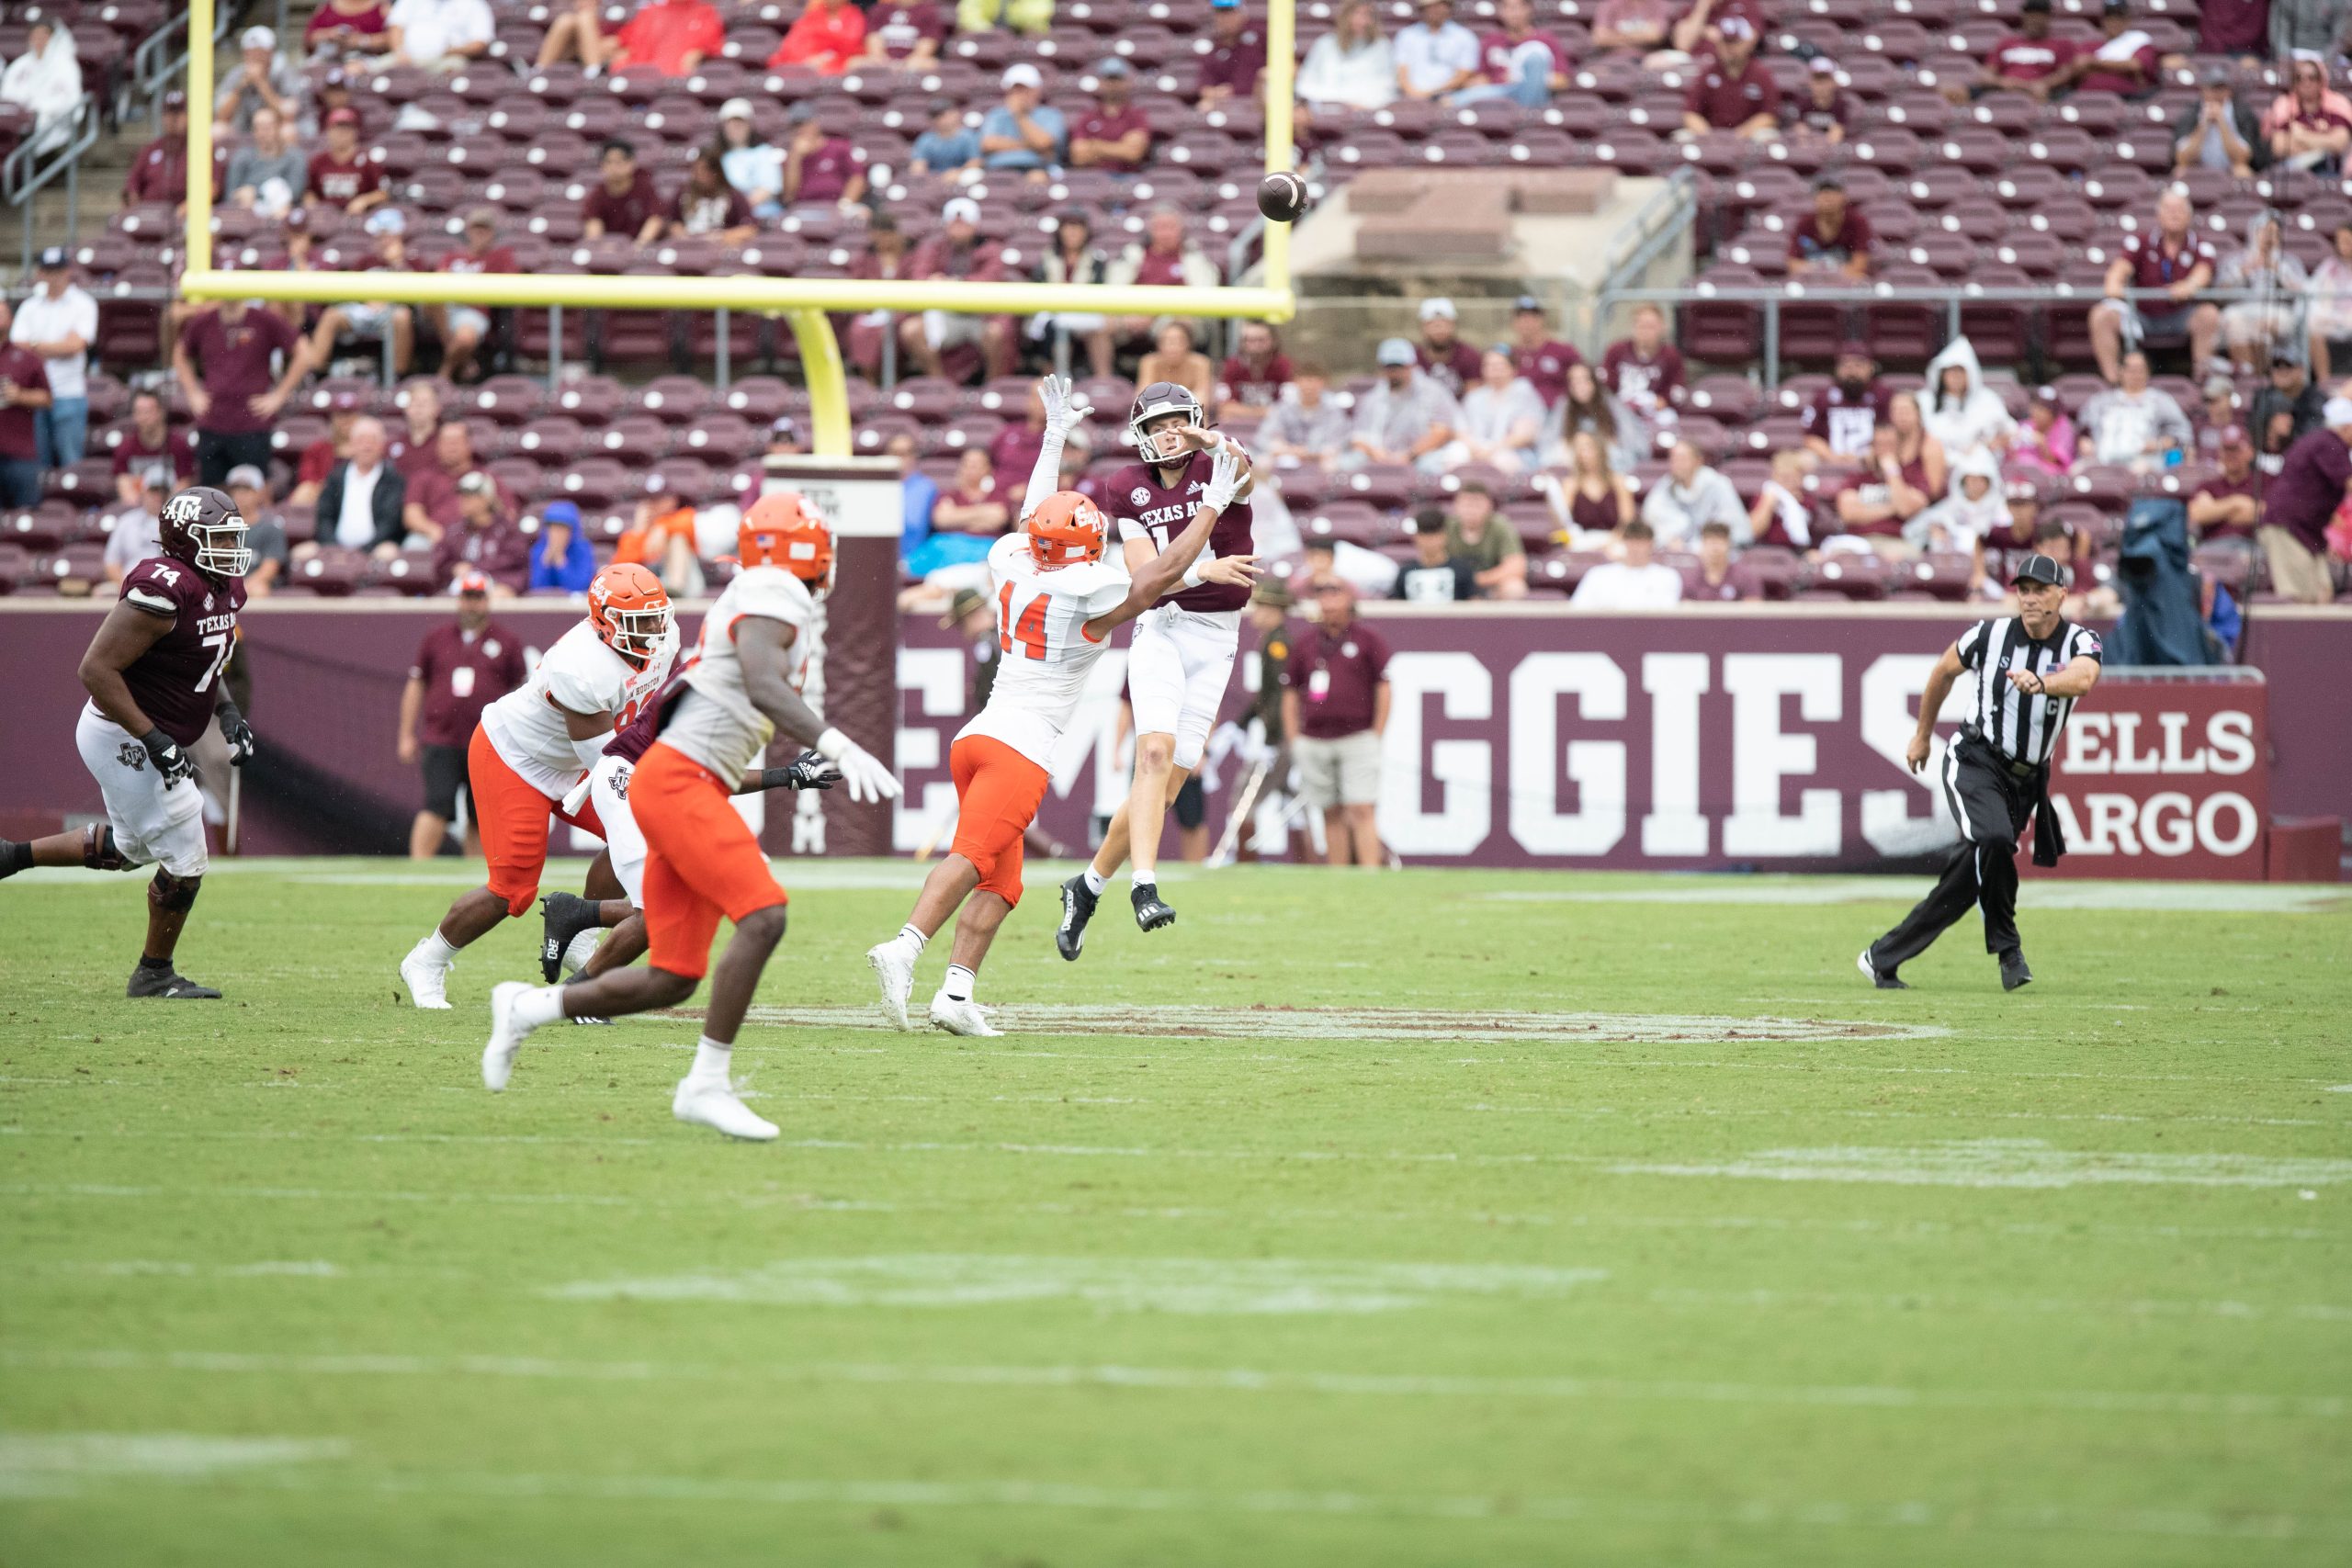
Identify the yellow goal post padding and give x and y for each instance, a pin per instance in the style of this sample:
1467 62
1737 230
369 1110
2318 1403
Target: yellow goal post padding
802 302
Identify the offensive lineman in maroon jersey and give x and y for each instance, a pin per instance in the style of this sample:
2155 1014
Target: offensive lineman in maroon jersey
1183 652
154 675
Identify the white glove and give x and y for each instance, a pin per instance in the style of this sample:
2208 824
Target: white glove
861 771
1055 391
1227 471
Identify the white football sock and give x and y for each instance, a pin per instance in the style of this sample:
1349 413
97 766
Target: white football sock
711 1060
1095 881
958 986
1141 878
914 939
435 950
540 1004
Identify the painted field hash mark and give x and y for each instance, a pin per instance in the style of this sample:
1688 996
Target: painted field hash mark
1373 1023
2011 1162
41 1464
1188 1285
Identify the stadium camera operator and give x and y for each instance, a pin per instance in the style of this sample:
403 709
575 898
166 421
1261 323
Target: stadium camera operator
2032 667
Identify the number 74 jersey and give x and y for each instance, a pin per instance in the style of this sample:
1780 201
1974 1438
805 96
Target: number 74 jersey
1044 655
176 682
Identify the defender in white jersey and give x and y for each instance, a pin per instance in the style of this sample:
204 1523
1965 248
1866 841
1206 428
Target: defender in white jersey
701 860
1058 602
534 748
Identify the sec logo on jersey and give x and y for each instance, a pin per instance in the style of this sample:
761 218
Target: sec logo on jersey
1140 496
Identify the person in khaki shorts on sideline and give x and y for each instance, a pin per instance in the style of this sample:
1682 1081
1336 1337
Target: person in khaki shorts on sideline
1335 705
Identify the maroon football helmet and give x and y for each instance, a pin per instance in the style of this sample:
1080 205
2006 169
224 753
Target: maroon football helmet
203 527
1160 397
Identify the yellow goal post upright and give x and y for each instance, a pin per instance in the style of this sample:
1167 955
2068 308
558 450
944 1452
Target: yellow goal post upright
803 302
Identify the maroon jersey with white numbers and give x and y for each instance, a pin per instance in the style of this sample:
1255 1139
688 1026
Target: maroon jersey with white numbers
1144 509
176 682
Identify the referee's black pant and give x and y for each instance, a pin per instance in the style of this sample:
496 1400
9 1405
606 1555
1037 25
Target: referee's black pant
1990 802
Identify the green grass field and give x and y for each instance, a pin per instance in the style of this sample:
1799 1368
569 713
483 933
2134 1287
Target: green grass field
1413 1219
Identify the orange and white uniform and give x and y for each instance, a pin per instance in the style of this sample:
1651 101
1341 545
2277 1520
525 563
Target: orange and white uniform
523 762
701 860
1003 760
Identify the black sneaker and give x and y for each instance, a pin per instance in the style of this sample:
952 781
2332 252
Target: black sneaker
2013 970
1151 913
1884 979
168 984
1077 907
567 915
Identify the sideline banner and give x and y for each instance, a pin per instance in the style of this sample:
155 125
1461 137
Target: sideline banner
2163 773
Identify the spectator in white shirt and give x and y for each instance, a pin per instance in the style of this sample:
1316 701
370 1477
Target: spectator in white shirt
1436 55
1350 67
440 35
59 321
2132 423
1637 583
259 80
1305 426
1691 496
136 532
1407 418
1502 416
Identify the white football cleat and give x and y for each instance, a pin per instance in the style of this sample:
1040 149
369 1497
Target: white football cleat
967 1017
507 1033
896 970
713 1104
426 982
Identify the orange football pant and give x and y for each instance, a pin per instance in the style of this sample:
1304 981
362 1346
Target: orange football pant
998 791
701 860
511 815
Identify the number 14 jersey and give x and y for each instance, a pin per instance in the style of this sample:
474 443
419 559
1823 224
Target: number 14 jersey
1044 655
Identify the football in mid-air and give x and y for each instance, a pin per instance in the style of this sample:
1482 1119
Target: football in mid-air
1282 197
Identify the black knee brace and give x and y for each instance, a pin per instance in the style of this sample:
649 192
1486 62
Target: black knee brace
172 893
98 851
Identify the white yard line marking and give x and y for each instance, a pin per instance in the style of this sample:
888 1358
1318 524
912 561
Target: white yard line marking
1210 1380
1931 1301
1374 1023
1202 1286
2008 1162
45 1464
2195 898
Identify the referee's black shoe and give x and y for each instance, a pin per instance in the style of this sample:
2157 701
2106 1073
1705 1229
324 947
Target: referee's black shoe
1885 979
2013 970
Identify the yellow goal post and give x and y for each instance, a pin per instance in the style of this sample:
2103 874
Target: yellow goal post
802 302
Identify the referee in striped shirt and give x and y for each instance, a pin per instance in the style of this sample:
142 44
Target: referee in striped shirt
2030 668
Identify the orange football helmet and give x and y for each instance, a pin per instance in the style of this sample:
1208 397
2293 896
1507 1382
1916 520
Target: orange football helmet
1065 530
630 609
783 528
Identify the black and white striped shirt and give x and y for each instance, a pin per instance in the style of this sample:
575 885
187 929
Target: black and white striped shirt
2020 725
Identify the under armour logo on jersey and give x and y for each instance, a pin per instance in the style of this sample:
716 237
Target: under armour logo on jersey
1140 496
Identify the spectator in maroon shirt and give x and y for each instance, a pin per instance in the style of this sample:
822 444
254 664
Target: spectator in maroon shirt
1521 62
1444 357
973 502
1700 33
2125 59
1111 136
1541 359
222 362
819 170
152 445
24 388
2310 125
1846 416
2175 259
344 172
1014 450
462 666
2029 60
1734 91
1645 372
1251 381
1876 500
463 329
623 202
431 506
411 449
1335 707
1237 55
904 35
1833 238
2315 479
2229 505
486 537
707 207
159 172
958 252
1824 111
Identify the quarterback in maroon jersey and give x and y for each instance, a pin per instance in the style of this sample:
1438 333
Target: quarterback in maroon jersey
1184 648
154 675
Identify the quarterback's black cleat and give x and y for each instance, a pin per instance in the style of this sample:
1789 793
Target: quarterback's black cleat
2013 970
1885 979
567 915
146 981
1077 907
1151 913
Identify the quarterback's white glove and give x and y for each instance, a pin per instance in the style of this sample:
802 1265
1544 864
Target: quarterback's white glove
1059 412
868 779
1226 470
